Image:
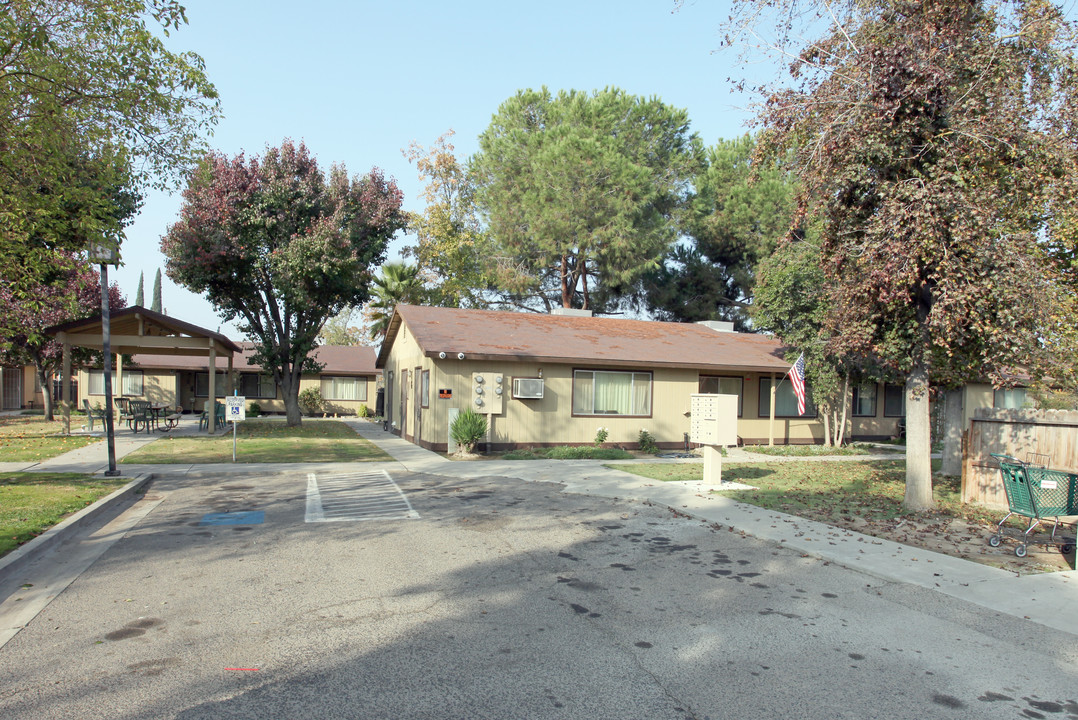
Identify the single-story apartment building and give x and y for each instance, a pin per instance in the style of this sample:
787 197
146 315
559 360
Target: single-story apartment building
347 380
555 379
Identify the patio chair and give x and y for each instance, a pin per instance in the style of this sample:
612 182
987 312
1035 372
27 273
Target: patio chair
204 420
139 414
122 410
92 414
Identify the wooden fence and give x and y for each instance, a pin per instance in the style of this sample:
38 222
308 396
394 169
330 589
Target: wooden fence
1021 434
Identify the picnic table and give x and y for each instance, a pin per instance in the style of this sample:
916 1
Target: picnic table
166 419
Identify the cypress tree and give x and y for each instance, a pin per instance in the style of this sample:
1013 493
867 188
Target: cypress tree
156 305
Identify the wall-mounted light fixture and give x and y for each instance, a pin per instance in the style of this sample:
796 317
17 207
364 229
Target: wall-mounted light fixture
460 356
441 355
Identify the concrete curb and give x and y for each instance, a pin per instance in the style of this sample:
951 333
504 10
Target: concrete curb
23 555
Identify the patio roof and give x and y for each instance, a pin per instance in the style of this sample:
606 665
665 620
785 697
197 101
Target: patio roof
138 330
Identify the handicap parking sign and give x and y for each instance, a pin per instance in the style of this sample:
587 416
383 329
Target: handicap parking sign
235 409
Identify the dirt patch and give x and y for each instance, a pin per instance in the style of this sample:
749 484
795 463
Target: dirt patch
968 540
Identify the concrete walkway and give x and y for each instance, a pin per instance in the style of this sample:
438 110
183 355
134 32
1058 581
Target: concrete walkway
1049 598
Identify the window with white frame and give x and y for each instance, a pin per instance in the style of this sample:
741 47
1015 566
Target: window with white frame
344 388
605 392
256 385
785 400
864 400
133 383
717 385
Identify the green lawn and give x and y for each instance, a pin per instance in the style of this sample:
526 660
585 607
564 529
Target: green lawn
264 441
825 491
26 438
31 503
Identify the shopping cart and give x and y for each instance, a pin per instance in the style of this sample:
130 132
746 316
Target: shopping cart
1037 493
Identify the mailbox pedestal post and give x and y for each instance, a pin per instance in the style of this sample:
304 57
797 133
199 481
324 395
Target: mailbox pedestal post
714 425
712 465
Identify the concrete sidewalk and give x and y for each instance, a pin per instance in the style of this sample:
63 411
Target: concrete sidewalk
1048 599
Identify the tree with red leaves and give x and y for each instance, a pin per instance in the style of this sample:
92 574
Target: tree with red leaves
71 290
932 139
280 247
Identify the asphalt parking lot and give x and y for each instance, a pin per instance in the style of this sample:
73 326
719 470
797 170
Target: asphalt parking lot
496 598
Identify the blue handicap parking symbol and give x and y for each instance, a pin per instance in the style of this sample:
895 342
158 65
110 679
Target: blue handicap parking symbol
247 517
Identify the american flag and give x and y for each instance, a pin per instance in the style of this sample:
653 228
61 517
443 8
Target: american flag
797 379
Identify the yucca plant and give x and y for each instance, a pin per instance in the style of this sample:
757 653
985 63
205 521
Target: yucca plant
468 429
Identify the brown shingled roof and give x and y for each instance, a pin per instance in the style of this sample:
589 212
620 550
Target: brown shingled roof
491 334
338 360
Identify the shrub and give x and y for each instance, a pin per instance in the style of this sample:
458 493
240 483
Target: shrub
254 409
468 429
584 452
647 443
311 401
601 435
364 411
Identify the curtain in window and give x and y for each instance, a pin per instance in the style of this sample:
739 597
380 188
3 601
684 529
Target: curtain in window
584 393
344 388
641 394
132 382
613 393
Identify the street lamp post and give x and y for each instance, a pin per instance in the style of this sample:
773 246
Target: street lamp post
107 255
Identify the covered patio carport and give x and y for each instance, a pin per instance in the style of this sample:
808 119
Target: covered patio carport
138 330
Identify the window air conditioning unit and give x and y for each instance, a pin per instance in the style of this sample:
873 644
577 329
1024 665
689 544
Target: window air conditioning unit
528 388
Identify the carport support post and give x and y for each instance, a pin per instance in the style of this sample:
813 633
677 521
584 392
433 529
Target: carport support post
65 380
771 425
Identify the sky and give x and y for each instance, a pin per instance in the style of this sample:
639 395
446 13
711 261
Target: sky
359 81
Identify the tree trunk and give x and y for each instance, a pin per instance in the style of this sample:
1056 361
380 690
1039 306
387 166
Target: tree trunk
826 412
952 433
918 442
46 391
290 390
566 296
840 432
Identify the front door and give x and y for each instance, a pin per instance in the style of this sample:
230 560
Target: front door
12 390
387 400
404 404
417 380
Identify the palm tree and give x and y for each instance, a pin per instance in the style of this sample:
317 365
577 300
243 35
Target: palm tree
398 283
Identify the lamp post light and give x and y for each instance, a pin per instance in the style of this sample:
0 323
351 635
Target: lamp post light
106 254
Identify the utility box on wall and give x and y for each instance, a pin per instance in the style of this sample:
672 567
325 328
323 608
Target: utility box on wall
488 392
713 419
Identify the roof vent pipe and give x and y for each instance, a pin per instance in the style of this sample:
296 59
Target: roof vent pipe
570 312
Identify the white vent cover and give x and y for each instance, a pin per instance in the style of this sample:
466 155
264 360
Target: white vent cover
528 388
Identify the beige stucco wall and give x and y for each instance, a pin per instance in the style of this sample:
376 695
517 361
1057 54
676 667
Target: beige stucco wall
550 420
